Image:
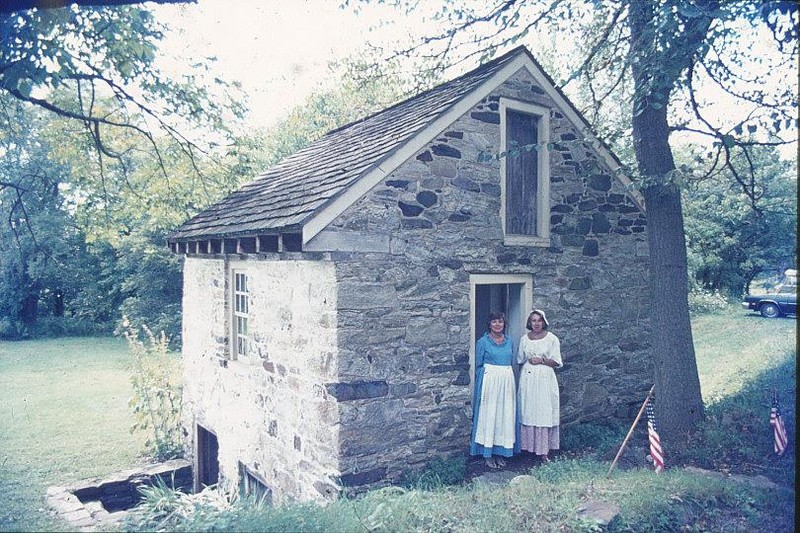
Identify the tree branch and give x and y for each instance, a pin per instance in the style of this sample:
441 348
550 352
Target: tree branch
10 6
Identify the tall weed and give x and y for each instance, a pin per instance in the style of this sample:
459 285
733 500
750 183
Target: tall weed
156 400
437 473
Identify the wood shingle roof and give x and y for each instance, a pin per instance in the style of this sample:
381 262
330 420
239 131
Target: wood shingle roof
291 192
293 201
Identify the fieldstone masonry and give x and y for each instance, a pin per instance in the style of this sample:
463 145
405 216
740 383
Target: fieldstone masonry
102 504
360 368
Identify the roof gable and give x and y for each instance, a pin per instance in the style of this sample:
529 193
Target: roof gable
309 189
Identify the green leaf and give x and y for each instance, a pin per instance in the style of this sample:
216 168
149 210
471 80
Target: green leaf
125 68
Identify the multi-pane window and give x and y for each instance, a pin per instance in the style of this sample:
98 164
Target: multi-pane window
241 309
525 184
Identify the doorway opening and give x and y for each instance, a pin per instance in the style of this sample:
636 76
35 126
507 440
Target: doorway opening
511 294
207 458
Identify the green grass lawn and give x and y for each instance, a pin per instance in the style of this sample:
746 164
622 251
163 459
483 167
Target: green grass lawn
65 418
735 347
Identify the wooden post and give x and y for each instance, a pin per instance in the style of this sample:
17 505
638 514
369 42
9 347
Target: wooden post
630 431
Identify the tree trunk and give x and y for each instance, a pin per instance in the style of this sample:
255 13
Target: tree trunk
30 306
656 72
58 303
679 403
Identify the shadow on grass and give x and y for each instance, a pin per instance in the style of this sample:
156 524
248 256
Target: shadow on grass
737 436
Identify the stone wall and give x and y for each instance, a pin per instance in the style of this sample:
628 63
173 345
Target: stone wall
270 410
404 313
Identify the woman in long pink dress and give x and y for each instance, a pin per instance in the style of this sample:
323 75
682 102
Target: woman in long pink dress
540 408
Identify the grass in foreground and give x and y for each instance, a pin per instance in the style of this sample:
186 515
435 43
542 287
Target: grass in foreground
64 417
546 500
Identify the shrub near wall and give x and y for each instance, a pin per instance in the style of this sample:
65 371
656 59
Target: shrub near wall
156 400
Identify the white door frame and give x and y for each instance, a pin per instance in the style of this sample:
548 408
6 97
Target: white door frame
517 315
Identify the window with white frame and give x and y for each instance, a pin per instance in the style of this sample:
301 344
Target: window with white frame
525 172
241 314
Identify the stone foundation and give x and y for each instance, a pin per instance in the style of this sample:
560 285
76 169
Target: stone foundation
100 503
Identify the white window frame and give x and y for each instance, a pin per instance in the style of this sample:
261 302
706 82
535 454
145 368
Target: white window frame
240 314
542 237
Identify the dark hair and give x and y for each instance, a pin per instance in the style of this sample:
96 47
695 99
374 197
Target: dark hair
496 316
528 322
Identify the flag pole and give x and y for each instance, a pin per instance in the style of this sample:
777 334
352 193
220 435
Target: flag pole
630 431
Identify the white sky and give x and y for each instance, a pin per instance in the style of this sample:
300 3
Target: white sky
278 50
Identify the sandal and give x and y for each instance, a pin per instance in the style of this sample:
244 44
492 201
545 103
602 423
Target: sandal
545 459
501 463
491 463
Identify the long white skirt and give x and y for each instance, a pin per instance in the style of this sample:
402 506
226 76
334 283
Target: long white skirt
496 417
539 404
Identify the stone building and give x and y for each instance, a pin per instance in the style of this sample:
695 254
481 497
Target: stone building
331 306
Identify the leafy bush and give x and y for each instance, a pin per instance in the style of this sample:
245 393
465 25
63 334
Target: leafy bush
703 301
163 508
591 437
52 326
152 287
438 473
12 329
156 401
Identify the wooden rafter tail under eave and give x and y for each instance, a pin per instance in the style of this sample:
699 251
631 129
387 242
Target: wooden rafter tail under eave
249 244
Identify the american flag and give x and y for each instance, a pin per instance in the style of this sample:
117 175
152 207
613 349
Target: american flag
776 421
655 440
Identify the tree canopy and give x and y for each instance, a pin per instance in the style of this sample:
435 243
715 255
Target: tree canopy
729 241
98 68
102 152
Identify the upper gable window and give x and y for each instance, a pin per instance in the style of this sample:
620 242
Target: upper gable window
525 173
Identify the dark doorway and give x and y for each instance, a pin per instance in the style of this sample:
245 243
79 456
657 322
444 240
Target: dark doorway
498 297
511 294
207 459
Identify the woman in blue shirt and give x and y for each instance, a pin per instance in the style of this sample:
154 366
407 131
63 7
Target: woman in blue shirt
494 406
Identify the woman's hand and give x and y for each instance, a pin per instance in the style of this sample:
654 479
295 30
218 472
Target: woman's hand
538 360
